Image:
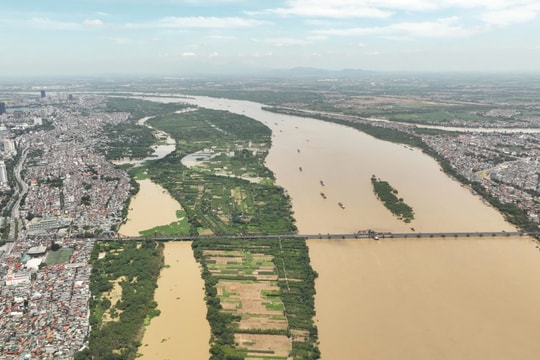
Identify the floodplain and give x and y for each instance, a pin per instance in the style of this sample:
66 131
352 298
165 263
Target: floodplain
454 207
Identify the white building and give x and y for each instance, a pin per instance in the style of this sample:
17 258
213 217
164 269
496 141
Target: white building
3 173
17 279
9 146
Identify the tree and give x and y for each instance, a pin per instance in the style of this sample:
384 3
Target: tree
55 246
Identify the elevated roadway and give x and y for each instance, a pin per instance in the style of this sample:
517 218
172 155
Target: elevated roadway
359 236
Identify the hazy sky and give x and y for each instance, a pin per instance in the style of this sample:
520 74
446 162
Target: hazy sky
209 36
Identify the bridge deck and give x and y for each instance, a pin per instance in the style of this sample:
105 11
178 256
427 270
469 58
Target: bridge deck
360 235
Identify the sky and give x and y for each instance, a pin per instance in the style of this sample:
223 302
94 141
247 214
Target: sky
182 37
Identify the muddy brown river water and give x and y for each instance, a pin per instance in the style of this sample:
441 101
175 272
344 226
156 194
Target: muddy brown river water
181 330
408 298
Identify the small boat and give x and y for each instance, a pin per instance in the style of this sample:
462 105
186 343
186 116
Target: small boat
341 205
323 195
322 183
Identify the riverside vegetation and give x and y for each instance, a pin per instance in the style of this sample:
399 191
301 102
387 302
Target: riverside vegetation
510 211
117 321
259 292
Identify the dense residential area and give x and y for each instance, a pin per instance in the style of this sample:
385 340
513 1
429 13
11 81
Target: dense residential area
67 194
506 165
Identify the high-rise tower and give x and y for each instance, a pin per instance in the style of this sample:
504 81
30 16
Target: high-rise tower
3 173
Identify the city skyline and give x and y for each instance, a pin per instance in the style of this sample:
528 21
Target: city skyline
181 37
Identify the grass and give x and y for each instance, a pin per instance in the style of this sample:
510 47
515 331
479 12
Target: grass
139 173
274 305
58 257
179 227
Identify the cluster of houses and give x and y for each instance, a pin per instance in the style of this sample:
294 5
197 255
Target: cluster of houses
71 193
506 164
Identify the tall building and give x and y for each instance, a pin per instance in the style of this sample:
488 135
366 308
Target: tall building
9 146
3 173
2 108
43 94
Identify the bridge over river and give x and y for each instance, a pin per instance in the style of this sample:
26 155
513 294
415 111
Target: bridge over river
362 235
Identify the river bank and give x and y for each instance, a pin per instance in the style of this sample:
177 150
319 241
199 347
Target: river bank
441 297
360 283
181 330
150 196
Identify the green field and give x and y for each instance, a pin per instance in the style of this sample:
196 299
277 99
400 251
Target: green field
58 257
178 227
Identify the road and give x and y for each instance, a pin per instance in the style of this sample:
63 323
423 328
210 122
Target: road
359 236
20 191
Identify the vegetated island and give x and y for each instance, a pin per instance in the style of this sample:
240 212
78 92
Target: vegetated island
259 292
388 195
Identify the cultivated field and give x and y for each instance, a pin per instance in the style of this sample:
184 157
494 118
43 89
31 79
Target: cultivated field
248 288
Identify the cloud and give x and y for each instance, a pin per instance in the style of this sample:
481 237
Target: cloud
317 37
208 2
441 28
214 54
94 22
221 37
286 41
376 9
121 40
495 11
49 24
189 54
511 15
262 55
327 9
212 22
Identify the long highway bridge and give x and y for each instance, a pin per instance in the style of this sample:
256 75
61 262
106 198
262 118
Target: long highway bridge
359 235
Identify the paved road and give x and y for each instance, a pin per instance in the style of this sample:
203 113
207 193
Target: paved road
360 236
20 191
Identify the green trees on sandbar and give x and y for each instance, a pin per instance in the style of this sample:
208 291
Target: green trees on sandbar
388 195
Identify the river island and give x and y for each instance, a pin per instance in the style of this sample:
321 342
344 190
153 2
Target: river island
388 195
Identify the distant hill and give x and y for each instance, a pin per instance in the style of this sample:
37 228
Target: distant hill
310 72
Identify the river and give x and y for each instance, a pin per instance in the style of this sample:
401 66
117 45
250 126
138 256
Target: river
150 196
181 331
344 160
400 299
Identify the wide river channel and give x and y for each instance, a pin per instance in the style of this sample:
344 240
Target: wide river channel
471 298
